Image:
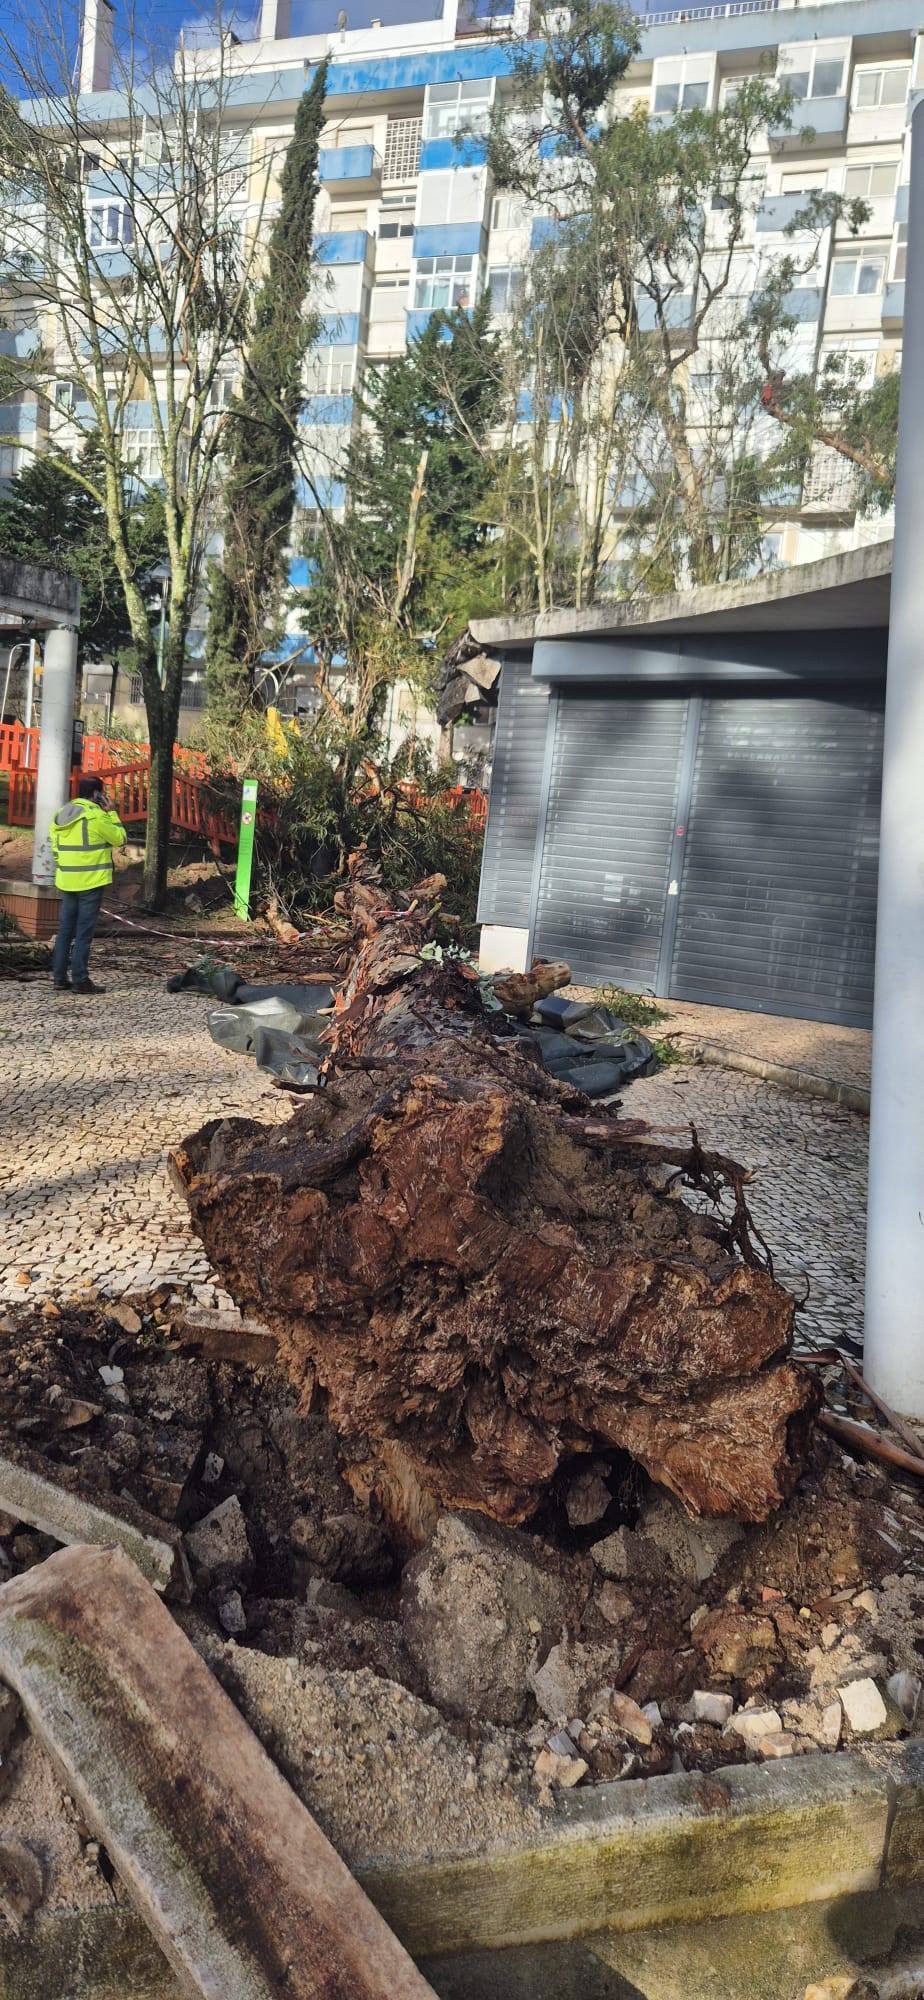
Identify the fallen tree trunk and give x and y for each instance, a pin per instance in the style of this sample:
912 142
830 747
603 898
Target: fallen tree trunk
484 1278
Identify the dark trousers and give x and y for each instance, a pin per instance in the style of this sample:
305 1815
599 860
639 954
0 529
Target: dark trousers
76 925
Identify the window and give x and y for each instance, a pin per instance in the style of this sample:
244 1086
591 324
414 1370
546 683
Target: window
396 218
458 107
681 96
142 455
66 396
356 135
856 277
818 75
444 282
871 183
850 361
402 149
506 288
232 162
804 181
10 461
389 299
900 254
347 219
330 371
221 392
508 211
111 225
875 87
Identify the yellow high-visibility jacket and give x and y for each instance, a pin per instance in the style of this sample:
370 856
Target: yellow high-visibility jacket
83 836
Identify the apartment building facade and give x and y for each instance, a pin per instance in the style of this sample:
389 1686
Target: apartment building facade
409 221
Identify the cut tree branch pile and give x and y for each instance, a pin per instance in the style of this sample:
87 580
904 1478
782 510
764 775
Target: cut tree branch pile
483 1278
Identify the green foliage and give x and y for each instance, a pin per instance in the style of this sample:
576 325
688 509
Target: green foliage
48 517
317 807
640 1012
245 585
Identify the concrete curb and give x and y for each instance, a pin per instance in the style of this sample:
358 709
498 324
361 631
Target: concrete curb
853 1096
644 1858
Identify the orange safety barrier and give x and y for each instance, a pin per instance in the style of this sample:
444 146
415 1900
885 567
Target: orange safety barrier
19 747
128 786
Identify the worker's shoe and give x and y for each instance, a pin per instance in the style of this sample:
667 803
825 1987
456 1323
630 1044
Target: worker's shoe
87 986
62 986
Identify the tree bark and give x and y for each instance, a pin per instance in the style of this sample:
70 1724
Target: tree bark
485 1276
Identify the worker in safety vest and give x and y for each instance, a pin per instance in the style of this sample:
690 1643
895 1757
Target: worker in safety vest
83 836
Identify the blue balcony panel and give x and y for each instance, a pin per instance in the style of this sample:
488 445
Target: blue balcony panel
893 303
678 312
448 239
19 342
902 202
330 492
18 419
346 166
438 154
805 303
328 410
344 246
338 330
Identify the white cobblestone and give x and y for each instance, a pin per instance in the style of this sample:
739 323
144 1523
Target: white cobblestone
94 1094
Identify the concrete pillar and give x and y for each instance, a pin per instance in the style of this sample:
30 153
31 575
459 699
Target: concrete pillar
894 1333
59 682
96 45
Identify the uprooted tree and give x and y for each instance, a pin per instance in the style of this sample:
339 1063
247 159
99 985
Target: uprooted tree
484 1278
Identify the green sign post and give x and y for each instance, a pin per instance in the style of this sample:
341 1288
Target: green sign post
245 849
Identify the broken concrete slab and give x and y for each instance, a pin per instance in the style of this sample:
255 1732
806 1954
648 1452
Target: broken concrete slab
243 1893
479 1607
227 1336
57 1506
218 1546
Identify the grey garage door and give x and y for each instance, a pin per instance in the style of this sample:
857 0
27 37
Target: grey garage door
777 907
615 776
720 850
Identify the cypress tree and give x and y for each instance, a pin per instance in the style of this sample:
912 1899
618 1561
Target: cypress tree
245 583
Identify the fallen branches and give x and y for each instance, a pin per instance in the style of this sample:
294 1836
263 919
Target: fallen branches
484 1280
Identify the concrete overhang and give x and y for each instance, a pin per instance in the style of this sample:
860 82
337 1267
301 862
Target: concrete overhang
35 598
844 593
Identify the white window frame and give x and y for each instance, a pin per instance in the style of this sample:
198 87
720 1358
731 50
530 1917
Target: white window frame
683 87
865 350
870 168
860 260
380 298
458 107
513 289
110 225
880 71
142 453
330 371
809 61
457 276
898 260
508 211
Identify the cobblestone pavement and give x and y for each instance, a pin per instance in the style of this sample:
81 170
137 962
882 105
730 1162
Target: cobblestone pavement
94 1093
809 1195
820 1048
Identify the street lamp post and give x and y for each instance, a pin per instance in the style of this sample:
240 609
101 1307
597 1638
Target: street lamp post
894 1330
161 575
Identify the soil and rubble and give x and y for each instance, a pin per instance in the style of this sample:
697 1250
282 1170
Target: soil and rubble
433 1640
441 1699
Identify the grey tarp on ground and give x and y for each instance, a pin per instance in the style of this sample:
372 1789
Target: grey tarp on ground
280 1026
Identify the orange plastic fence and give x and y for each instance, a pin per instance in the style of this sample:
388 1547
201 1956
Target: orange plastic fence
18 747
193 810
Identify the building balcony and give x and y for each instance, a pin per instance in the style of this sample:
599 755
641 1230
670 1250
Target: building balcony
893 306
357 168
777 213
344 246
818 123
902 201
678 313
321 410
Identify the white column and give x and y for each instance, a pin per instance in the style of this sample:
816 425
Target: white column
96 45
59 682
894 1334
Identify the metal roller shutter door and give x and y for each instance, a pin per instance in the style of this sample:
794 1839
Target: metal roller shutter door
777 907
513 807
609 826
